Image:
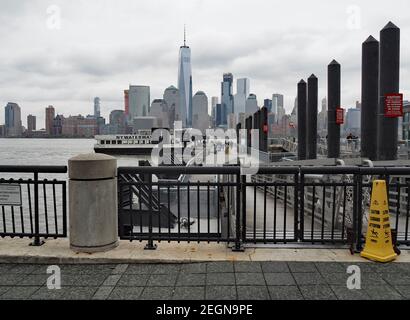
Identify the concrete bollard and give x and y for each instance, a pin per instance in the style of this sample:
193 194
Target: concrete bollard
93 203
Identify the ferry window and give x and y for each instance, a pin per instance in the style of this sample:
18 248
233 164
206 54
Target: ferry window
102 142
119 142
114 142
108 142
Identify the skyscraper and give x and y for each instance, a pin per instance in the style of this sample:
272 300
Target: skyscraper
13 120
214 102
226 97
31 123
50 114
185 81
159 110
97 107
139 101
242 93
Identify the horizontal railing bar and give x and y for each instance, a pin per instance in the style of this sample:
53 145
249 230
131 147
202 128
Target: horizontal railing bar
33 169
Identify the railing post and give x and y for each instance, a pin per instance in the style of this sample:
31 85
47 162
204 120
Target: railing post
296 205
238 244
37 241
301 229
359 212
243 186
150 245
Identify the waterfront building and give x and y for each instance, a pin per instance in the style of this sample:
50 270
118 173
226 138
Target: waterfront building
251 105
139 101
214 102
50 114
13 123
175 112
97 107
226 97
31 123
200 115
2 130
185 81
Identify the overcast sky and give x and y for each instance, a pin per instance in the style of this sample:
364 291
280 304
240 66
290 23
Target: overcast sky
102 46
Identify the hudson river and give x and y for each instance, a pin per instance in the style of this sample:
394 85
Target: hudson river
50 151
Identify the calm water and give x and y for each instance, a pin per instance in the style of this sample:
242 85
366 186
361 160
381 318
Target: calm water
50 151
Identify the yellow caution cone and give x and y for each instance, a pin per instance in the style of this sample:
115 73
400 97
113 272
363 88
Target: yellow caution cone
379 246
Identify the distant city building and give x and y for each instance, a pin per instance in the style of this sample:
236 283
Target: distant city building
78 126
251 105
31 123
118 122
232 121
353 121
50 114
226 97
2 130
218 116
278 107
200 115
267 103
405 125
214 102
139 101
13 123
322 119
176 113
126 102
144 123
185 81
97 107
242 92
159 110
358 105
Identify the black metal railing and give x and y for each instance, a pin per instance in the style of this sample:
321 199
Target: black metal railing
42 209
318 205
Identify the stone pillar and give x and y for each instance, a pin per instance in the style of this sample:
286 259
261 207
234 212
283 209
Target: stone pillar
312 117
333 96
370 98
387 138
93 203
302 109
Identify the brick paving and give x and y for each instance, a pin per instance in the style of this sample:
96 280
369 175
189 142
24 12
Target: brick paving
202 281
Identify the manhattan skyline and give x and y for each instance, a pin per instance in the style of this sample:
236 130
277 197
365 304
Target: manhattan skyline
92 55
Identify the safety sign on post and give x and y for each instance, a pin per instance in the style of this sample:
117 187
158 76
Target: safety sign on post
340 112
393 105
379 246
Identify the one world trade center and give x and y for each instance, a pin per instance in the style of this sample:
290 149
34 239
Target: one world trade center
185 84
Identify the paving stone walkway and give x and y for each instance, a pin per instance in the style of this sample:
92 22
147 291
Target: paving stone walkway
212 280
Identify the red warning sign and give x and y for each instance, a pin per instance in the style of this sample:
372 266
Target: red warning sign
340 115
393 107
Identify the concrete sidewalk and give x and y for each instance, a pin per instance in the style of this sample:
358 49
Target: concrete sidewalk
275 280
58 251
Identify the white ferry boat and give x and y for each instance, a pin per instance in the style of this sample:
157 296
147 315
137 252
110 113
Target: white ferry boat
139 143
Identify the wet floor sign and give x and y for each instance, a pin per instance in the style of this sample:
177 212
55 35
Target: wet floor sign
379 246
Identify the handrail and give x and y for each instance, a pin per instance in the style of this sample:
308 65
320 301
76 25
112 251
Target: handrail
33 169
